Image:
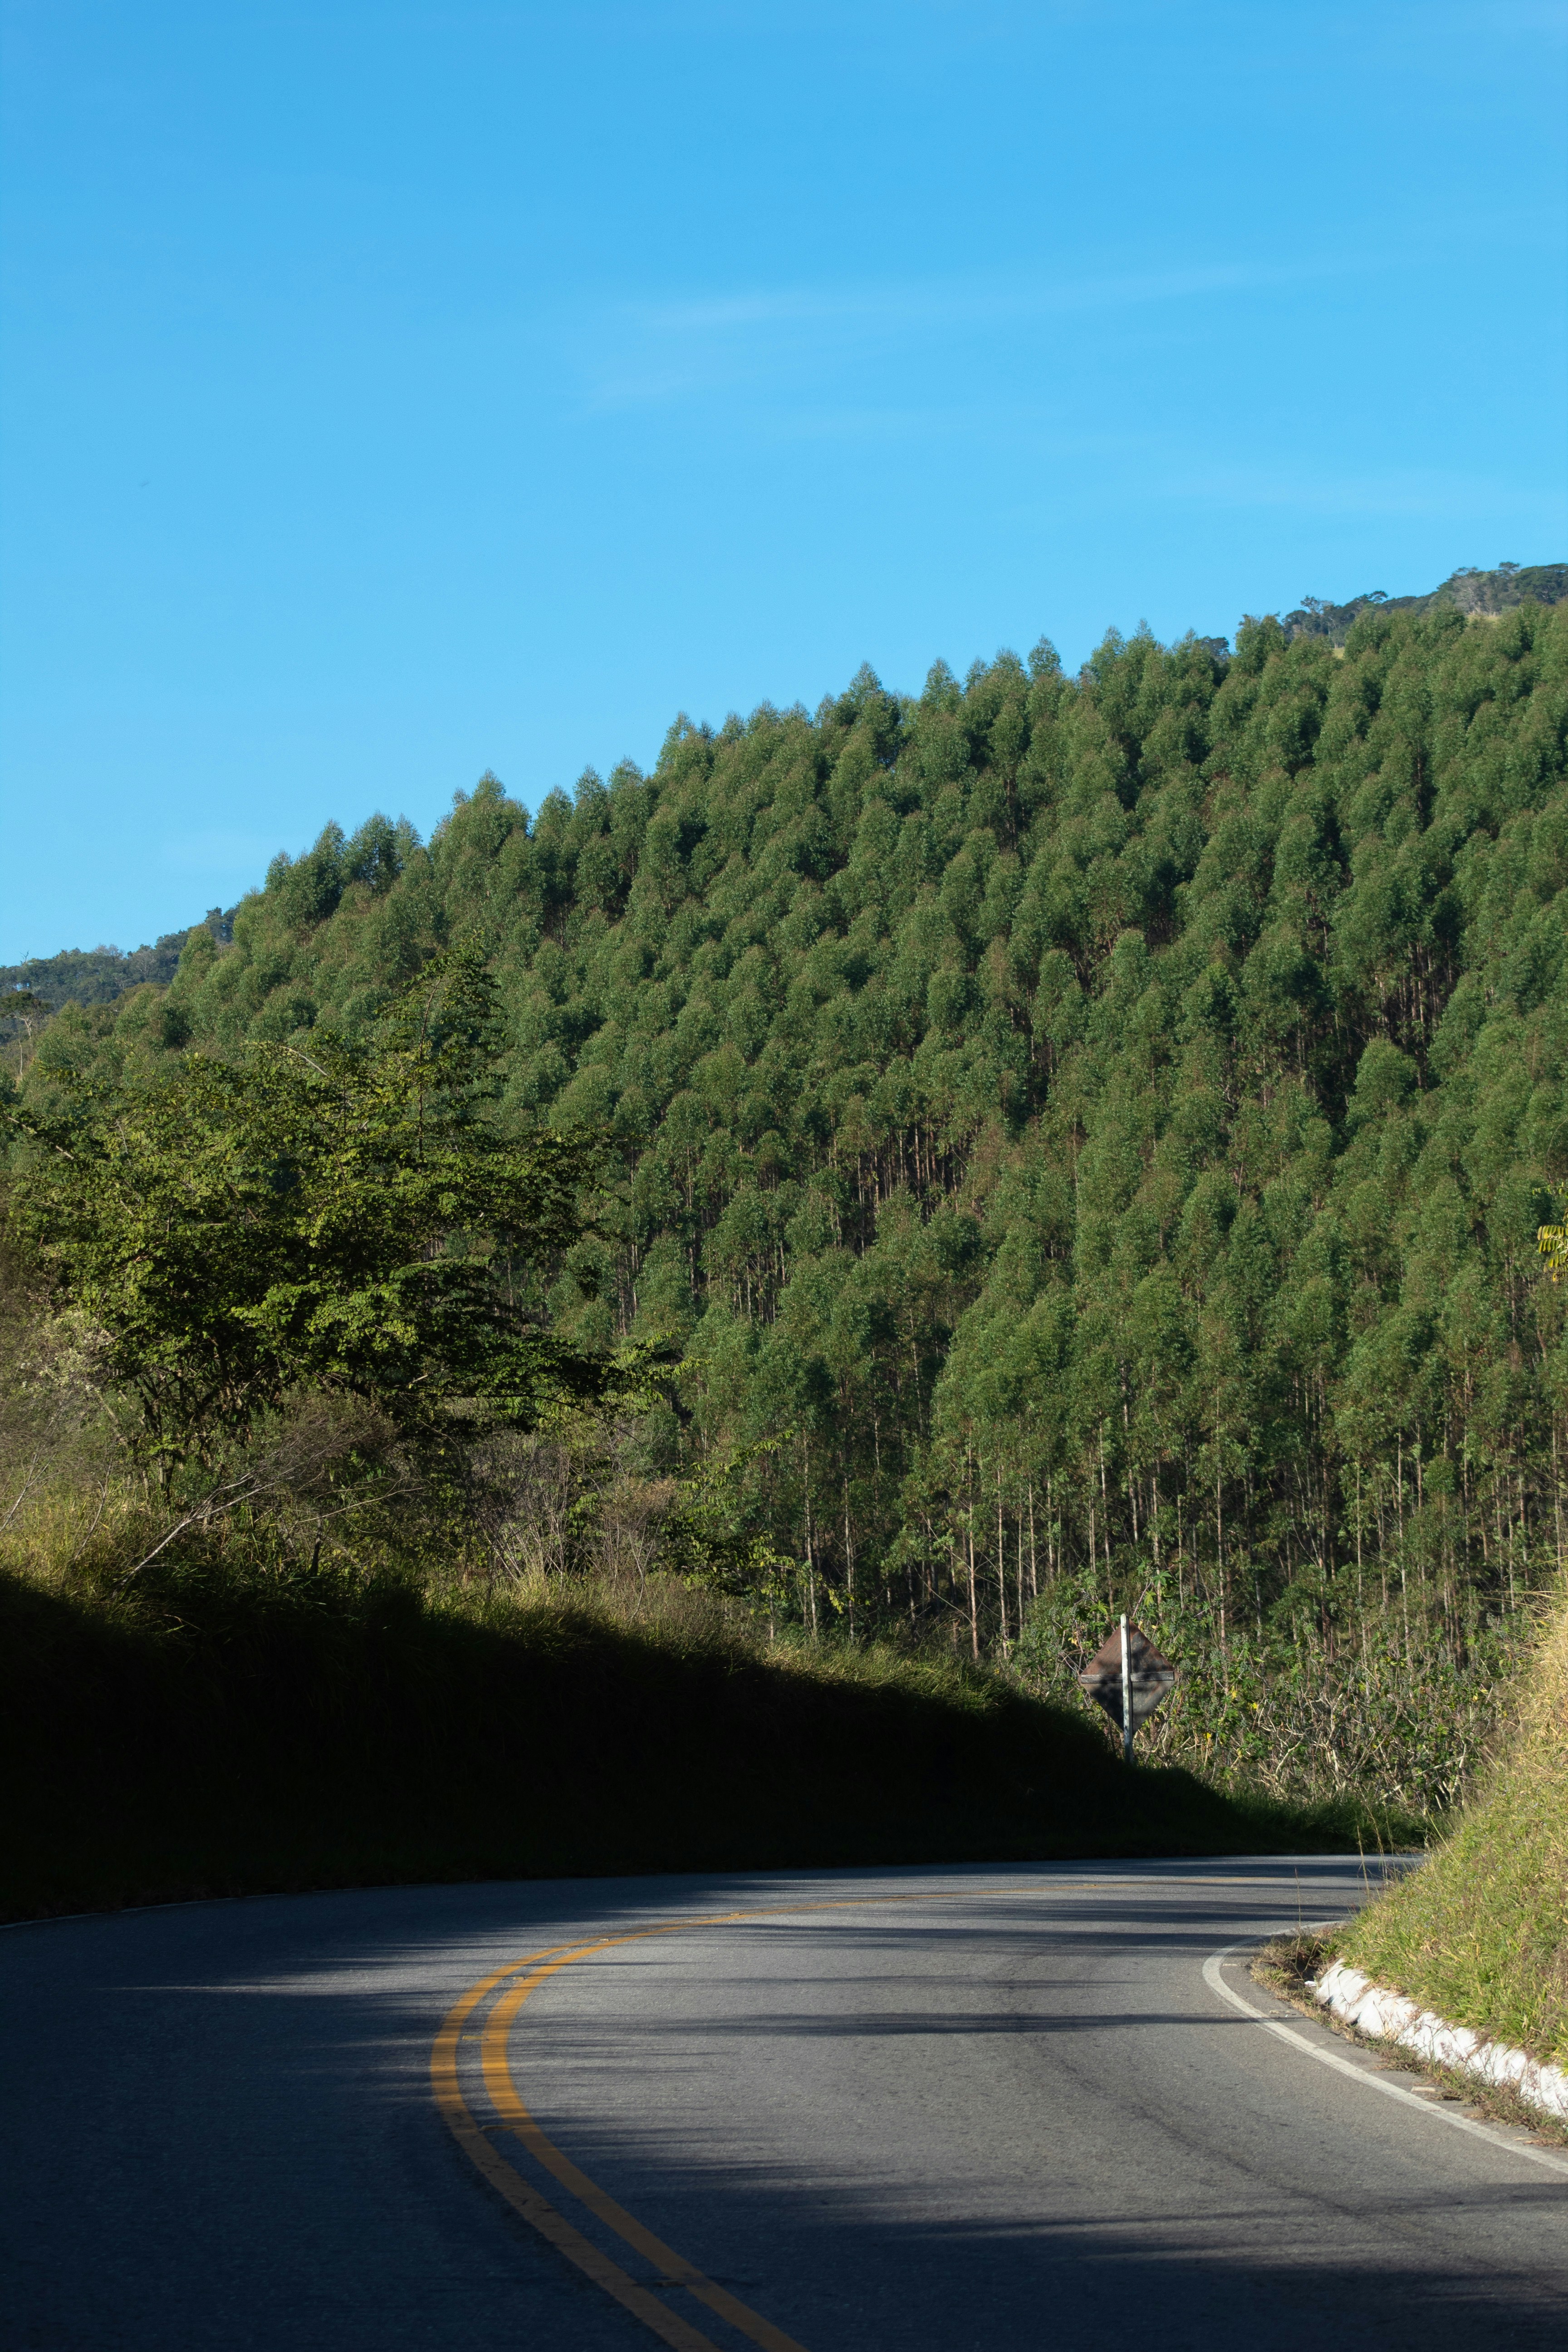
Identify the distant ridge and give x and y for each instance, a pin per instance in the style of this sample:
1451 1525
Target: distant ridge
1485 595
98 975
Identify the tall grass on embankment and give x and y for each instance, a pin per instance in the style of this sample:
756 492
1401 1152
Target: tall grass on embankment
225 1726
1479 1933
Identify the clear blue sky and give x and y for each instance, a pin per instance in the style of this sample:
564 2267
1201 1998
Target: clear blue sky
394 391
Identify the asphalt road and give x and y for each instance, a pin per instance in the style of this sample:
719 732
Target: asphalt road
965 2107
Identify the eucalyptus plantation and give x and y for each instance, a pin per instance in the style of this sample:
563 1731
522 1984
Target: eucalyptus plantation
1088 1136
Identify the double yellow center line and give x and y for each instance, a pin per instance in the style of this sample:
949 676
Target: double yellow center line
522 1978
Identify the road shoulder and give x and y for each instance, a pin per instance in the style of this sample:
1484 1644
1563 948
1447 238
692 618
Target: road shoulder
1395 2074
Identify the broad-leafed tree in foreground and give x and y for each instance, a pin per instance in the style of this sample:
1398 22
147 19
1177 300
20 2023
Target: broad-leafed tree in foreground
340 1217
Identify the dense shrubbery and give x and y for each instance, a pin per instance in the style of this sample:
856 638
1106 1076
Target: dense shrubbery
1103 1121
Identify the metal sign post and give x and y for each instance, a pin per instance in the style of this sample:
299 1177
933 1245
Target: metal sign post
1129 1679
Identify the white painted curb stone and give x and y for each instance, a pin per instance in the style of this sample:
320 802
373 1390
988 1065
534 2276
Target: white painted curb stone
1390 2016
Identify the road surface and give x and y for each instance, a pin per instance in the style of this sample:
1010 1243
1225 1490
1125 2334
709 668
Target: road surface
987 2107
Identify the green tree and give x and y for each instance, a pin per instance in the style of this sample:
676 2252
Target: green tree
340 1216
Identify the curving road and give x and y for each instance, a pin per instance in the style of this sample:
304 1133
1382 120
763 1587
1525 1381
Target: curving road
918 2108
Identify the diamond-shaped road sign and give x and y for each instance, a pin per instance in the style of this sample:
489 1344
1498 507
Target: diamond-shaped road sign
1149 1676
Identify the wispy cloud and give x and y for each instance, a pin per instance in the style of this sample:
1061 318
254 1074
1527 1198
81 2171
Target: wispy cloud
1416 493
650 352
953 302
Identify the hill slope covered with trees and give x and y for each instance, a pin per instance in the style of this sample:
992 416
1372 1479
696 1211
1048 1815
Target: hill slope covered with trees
1098 1125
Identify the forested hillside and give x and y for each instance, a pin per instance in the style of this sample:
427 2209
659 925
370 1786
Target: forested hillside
1099 1124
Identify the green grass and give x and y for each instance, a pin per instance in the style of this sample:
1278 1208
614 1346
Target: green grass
229 1730
1479 1933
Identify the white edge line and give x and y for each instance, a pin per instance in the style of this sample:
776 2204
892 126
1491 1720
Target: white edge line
1373 2082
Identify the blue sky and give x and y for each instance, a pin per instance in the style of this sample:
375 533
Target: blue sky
394 391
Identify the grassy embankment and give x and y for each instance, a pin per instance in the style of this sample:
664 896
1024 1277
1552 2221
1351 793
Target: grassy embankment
220 1729
1481 1932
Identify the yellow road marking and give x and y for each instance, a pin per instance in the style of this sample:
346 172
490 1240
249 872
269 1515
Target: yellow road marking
534 2209
553 2225
508 2105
